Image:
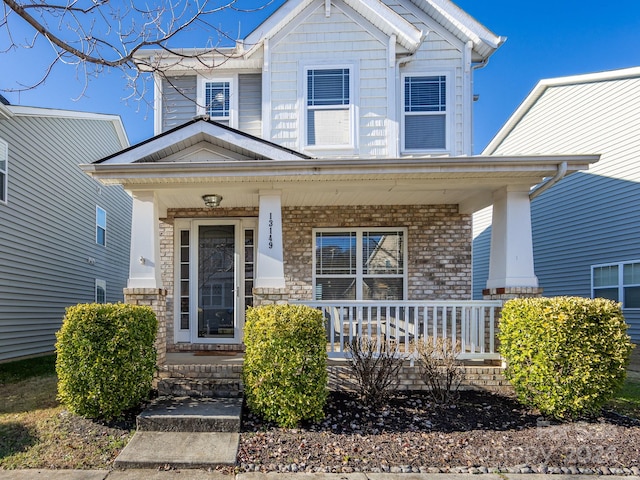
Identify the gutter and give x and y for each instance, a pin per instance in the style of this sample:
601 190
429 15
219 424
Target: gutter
544 186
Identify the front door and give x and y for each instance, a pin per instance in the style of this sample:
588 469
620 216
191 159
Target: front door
214 279
217 287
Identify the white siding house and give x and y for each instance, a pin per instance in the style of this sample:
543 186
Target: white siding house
64 236
586 228
336 134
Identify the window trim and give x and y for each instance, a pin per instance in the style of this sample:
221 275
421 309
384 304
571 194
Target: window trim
100 284
620 285
98 226
352 106
233 98
359 275
4 151
448 117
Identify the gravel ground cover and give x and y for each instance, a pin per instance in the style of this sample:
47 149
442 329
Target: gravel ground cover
482 433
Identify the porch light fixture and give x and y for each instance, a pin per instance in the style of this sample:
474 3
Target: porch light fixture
212 201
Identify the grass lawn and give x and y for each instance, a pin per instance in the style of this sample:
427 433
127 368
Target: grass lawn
36 432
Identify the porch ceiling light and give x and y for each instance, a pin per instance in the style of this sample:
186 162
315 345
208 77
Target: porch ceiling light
212 201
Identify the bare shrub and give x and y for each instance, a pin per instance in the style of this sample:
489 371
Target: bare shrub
439 368
375 365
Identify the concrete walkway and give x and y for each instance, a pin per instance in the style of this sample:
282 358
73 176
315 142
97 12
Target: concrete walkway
204 475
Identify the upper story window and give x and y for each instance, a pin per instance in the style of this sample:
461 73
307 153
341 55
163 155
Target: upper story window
4 164
618 281
101 226
217 97
359 264
425 113
329 101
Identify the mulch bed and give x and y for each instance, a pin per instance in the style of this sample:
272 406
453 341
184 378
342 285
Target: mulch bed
481 433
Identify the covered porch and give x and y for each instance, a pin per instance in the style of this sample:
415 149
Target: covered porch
382 246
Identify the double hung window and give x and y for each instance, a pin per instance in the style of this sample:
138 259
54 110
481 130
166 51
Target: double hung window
360 264
425 113
101 291
101 226
329 107
619 282
217 100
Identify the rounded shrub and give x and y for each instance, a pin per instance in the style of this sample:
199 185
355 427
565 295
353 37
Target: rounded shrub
106 358
565 356
285 363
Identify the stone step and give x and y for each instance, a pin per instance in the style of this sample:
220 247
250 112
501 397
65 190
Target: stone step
153 450
201 387
184 414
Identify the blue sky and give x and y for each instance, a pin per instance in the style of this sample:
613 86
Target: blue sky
545 39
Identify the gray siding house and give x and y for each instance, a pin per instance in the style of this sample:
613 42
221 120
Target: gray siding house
64 236
586 228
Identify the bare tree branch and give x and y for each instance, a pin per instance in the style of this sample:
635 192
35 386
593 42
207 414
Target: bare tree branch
95 35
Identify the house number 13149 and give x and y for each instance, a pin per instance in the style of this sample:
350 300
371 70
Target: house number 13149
270 231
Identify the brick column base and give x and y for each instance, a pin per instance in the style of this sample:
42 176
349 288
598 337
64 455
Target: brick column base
156 298
508 293
270 296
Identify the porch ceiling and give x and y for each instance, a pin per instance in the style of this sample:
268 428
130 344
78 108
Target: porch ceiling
466 181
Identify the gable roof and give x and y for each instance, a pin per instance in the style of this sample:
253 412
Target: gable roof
374 11
196 131
542 87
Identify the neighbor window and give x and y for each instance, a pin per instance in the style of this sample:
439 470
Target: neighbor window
360 264
4 161
101 291
328 107
619 282
101 226
425 112
217 98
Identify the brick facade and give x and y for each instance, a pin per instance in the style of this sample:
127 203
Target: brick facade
438 240
156 299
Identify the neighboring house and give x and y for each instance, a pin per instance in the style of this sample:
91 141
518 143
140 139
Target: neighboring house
64 236
330 165
586 228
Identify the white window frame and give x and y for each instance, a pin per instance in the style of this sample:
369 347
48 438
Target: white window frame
4 172
620 283
103 285
351 107
232 119
99 226
359 275
448 116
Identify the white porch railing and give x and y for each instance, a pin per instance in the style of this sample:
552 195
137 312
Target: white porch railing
472 323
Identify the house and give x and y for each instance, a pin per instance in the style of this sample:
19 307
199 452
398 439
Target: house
586 228
64 235
326 160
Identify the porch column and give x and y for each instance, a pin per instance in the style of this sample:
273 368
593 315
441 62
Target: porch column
511 259
144 263
270 263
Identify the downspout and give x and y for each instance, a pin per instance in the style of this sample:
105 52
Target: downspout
400 62
544 186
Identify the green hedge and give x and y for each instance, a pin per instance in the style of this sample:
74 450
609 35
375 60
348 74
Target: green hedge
285 363
106 358
565 356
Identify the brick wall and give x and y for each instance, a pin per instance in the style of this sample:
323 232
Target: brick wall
438 244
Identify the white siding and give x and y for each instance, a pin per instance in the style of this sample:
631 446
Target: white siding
250 103
439 53
588 218
339 40
48 228
178 101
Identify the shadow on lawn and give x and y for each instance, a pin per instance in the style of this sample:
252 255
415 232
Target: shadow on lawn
15 438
